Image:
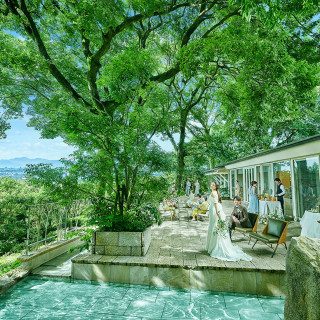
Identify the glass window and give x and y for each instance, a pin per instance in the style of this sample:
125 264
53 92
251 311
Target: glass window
258 179
267 186
248 179
282 171
240 182
233 183
307 184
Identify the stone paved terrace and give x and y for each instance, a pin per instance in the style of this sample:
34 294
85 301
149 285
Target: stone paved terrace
178 248
182 242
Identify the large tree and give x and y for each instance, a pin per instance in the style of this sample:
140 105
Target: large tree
95 72
261 94
89 72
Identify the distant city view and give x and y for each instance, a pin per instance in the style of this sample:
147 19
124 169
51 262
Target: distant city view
17 173
14 168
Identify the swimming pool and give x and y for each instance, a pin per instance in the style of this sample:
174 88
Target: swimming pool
44 298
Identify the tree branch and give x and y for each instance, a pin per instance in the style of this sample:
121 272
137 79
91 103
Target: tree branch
234 13
34 34
170 136
185 40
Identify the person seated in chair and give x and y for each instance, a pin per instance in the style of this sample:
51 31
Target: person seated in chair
190 200
239 216
202 208
164 205
196 202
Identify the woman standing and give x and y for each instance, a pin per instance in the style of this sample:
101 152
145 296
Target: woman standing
197 187
253 198
218 242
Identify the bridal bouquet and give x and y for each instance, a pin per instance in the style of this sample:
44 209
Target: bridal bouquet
222 229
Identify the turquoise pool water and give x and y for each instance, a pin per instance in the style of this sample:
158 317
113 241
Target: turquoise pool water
52 299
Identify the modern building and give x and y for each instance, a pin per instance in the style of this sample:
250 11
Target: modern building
296 164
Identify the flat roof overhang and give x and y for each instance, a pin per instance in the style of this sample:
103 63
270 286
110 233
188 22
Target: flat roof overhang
299 149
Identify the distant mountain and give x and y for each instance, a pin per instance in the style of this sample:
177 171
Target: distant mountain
22 162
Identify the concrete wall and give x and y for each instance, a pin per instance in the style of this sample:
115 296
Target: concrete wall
100 268
40 257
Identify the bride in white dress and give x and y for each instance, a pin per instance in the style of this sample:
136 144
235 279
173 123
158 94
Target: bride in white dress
219 246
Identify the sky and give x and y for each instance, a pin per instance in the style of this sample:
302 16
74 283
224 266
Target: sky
23 141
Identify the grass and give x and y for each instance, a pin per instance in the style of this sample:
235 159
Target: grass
9 262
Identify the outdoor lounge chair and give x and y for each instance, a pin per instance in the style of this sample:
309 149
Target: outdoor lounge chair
253 217
275 232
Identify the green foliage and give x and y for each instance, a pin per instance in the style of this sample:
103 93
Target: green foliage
58 183
127 72
86 239
14 197
137 218
8 263
229 77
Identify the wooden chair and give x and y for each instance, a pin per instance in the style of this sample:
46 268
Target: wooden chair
275 232
167 210
254 218
202 213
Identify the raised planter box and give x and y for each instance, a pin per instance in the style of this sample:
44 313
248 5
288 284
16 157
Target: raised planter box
42 256
121 243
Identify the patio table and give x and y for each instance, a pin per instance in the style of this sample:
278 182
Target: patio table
310 225
265 207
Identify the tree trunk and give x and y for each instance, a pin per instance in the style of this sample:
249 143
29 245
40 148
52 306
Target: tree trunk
130 193
118 199
180 169
181 152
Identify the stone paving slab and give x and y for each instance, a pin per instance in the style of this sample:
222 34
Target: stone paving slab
43 298
181 243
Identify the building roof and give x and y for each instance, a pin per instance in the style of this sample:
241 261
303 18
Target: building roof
273 150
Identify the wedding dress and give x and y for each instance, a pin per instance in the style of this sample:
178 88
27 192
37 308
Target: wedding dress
218 246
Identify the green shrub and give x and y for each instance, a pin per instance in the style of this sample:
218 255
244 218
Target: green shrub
8 266
137 218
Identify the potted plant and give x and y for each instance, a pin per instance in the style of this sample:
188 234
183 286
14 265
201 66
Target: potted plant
127 234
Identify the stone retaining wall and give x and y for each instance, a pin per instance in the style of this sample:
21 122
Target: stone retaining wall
41 256
121 243
114 269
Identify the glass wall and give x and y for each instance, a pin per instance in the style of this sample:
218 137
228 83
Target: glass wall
258 179
266 177
240 180
249 177
233 183
282 171
307 184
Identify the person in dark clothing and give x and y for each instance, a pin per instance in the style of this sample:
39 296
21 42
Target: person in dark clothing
280 193
239 216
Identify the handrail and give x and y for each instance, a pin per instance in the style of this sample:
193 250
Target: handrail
55 215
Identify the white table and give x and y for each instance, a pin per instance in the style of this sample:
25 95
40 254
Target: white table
266 207
309 224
